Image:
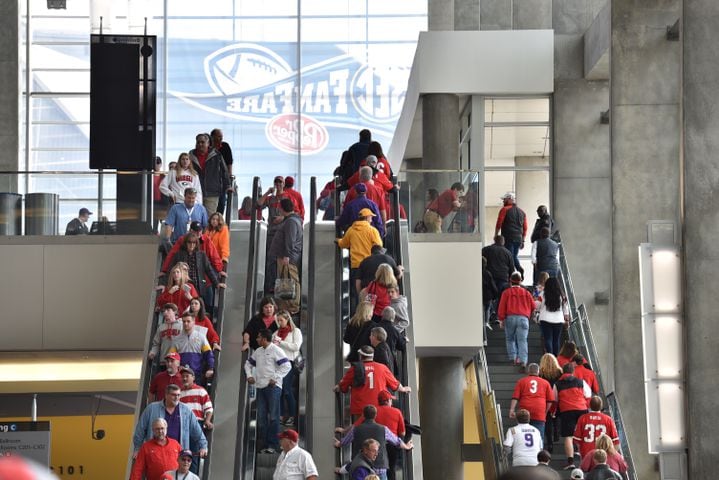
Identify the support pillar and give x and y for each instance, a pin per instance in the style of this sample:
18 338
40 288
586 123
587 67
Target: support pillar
645 172
441 386
701 215
9 78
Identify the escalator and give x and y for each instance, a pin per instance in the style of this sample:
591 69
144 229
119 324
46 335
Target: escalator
228 304
333 269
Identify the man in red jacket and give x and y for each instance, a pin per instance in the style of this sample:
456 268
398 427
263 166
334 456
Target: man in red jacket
515 308
572 394
295 196
582 370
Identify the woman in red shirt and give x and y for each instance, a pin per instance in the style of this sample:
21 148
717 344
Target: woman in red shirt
376 291
265 318
567 353
178 290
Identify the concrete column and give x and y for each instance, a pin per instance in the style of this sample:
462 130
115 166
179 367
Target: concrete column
440 15
582 171
466 14
701 253
645 129
441 386
440 131
9 94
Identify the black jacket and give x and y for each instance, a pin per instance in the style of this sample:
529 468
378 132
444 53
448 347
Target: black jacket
499 262
214 178
203 268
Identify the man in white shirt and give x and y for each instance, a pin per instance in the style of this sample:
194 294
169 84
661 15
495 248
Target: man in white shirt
524 441
265 369
294 463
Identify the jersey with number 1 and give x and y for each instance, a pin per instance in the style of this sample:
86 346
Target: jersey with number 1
533 394
590 426
525 442
377 377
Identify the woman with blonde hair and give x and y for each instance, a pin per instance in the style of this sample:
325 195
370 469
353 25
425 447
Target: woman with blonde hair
550 370
376 291
358 329
614 459
219 235
178 289
289 338
184 176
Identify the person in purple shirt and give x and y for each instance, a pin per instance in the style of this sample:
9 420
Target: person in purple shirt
352 209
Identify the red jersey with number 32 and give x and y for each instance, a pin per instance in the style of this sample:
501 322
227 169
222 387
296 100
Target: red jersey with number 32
533 394
377 377
590 426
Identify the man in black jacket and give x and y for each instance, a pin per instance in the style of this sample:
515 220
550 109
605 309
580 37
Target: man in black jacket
543 220
78 226
214 176
285 252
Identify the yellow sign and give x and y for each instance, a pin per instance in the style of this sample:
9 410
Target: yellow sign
75 455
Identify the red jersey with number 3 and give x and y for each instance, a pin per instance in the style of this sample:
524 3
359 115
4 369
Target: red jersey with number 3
590 426
377 377
533 394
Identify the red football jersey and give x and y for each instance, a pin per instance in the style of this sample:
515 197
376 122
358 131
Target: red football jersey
589 427
533 394
586 374
377 377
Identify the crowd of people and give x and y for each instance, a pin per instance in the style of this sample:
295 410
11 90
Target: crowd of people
559 396
171 434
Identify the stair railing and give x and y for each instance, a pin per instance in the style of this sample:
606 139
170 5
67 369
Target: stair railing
580 333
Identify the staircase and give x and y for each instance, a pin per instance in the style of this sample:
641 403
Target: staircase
503 376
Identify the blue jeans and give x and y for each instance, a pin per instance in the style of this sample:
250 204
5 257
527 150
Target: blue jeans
552 332
513 248
516 329
289 404
539 426
268 415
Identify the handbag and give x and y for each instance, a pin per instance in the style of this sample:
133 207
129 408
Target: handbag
285 287
299 363
371 297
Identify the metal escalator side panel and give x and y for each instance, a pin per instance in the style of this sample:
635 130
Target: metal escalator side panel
413 471
227 401
147 365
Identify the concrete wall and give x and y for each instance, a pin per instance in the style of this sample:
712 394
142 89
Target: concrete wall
76 293
701 253
9 94
581 167
645 92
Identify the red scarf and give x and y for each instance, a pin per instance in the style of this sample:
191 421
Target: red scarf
282 332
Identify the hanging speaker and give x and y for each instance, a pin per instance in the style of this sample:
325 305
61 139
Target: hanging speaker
122 102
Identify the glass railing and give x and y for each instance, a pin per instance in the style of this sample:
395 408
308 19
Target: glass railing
580 332
441 201
46 202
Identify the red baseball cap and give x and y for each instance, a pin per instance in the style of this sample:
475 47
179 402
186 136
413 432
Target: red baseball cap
290 434
173 356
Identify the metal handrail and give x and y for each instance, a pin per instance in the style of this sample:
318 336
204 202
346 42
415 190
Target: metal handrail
342 298
219 316
581 333
246 443
307 434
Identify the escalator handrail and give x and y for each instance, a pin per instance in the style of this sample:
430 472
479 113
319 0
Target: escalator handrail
310 327
219 316
244 461
581 327
342 295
